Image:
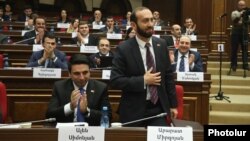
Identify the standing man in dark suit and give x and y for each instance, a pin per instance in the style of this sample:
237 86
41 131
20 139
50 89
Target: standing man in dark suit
66 95
83 37
173 40
49 57
192 59
35 36
148 88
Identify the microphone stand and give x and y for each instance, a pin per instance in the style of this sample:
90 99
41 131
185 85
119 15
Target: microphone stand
220 96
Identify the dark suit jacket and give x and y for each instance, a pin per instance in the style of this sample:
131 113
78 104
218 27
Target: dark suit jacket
127 74
169 40
183 31
97 97
161 23
105 29
93 41
61 61
198 66
22 17
29 35
96 55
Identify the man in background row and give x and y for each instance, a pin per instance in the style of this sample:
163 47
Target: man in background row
104 51
35 36
174 39
185 60
83 37
49 57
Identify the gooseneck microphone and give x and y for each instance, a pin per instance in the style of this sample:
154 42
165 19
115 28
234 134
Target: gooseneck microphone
34 121
24 40
143 119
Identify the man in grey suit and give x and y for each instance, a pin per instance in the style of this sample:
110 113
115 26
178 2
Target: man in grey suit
148 89
66 95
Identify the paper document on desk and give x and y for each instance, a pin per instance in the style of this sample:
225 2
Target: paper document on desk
72 124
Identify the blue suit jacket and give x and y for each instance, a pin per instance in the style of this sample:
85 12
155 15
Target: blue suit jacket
61 61
198 65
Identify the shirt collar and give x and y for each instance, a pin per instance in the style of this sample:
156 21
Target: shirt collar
142 43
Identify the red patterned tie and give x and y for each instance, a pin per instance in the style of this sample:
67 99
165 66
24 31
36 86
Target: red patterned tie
150 63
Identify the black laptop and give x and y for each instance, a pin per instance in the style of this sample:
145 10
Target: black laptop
106 62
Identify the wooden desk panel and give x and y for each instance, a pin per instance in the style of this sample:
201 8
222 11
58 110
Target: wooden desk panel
51 134
24 91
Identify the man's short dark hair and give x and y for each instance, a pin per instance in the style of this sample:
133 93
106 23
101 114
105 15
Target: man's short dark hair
78 59
133 17
38 18
48 35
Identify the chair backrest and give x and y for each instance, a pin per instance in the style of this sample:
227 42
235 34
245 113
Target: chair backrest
3 103
1 61
179 94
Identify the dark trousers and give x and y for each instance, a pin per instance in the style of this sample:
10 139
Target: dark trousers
237 39
153 110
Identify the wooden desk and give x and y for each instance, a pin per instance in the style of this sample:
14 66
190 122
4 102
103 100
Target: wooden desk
51 134
19 54
28 97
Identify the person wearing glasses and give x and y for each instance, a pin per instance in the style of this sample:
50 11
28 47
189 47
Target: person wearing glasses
49 57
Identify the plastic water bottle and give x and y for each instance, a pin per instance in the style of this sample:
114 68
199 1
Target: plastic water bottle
6 62
105 117
52 29
59 42
10 27
9 41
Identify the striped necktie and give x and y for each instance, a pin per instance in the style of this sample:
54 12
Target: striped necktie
79 115
151 64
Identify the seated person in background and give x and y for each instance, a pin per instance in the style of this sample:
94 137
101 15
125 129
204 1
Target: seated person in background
30 25
192 59
35 36
64 17
189 27
157 20
126 22
49 57
1 14
130 33
73 26
7 13
97 19
83 36
104 50
174 38
3 39
110 26
79 98
26 15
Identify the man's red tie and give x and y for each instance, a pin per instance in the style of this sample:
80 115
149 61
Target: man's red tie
151 64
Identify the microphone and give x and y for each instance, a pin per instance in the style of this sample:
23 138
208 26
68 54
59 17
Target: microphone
223 15
24 40
34 121
143 119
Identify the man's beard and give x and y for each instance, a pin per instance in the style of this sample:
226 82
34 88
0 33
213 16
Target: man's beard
143 33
